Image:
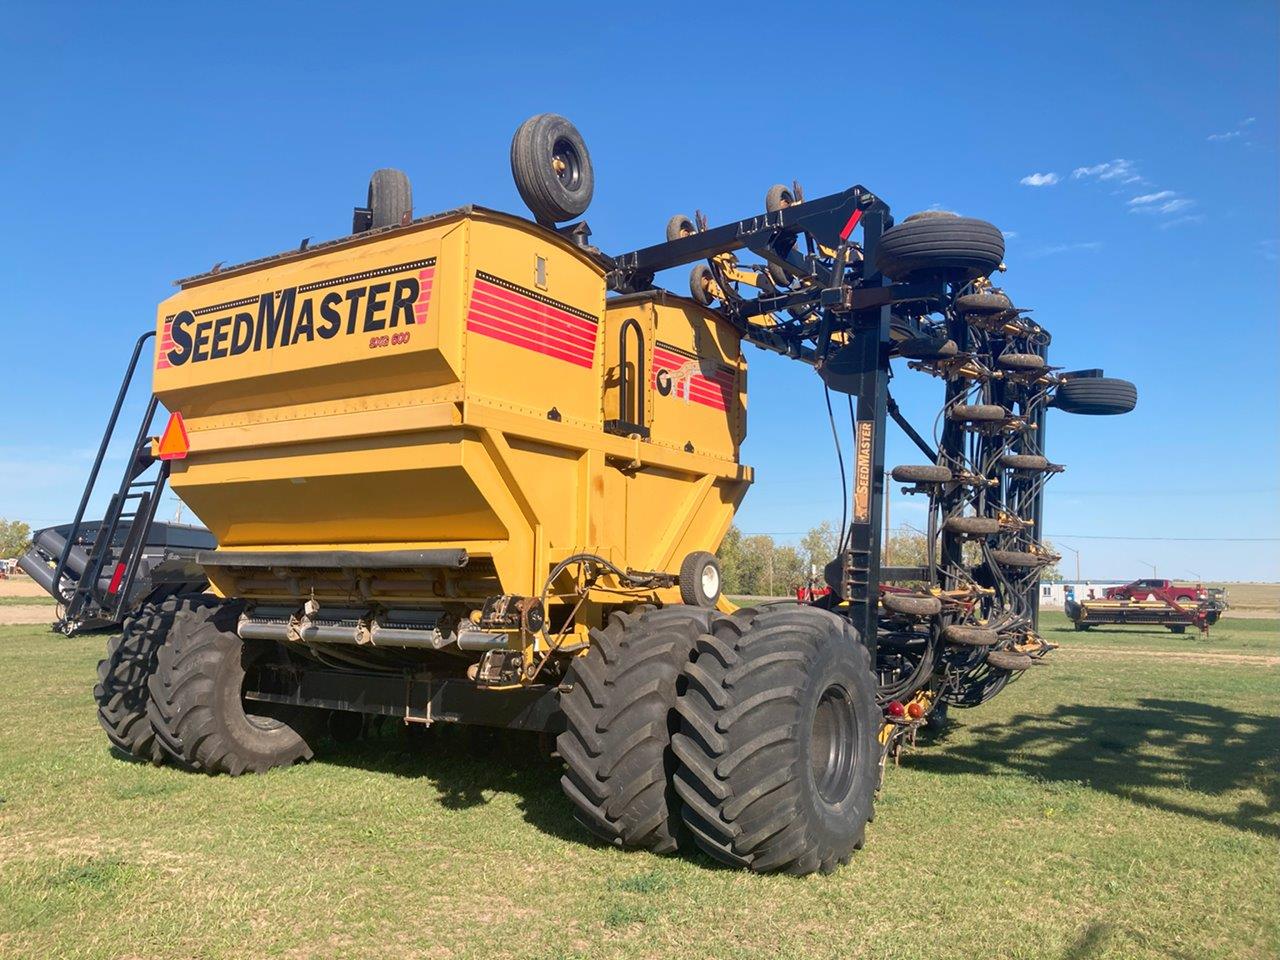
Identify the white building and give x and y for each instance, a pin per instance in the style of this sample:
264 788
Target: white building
1053 593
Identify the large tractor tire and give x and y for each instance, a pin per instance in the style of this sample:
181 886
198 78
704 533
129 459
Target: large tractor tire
552 168
1096 396
196 707
777 744
121 691
390 197
942 245
620 714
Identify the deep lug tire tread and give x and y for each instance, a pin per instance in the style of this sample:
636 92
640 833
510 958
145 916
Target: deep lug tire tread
122 691
197 668
744 779
620 713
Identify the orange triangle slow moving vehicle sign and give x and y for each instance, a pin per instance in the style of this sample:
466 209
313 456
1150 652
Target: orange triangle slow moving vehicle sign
173 442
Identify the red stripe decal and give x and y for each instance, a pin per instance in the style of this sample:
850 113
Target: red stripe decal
533 340
544 309
853 222
515 338
541 324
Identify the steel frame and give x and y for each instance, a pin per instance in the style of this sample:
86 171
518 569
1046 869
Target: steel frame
843 315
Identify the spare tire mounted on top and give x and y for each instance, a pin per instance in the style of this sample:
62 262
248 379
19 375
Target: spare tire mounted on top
936 243
552 168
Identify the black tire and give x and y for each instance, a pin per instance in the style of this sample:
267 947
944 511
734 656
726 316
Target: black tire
926 348
1096 396
936 720
344 727
700 579
972 526
978 412
781 279
699 277
390 197
121 691
1020 361
778 758
679 226
1178 628
1024 461
953 248
1008 660
552 168
620 715
1020 558
969 636
777 197
911 606
923 473
1083 626
196 706
987 302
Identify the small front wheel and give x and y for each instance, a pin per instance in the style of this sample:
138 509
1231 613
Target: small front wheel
700 580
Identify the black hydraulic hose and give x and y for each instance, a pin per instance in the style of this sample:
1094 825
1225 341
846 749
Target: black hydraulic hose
844 480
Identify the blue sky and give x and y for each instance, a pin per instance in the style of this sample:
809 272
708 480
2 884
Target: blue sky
1128 150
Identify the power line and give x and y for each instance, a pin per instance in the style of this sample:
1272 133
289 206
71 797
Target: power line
1089 536
1059 536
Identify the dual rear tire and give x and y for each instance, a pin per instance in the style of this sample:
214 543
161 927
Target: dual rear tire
196 707
751 737
170 688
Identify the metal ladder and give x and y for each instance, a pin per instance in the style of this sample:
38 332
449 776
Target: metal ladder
132 507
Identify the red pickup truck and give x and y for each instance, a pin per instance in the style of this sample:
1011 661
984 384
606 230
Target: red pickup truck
1166 590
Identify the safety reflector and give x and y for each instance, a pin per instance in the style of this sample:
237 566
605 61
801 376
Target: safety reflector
173 442
116 578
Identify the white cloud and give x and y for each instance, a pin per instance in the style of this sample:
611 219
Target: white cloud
1009 234
1238 131
1040 180
1114 170
1151 197
1066 248
1178 221
1165 201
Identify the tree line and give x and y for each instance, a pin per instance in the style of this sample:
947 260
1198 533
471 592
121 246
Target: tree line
756 565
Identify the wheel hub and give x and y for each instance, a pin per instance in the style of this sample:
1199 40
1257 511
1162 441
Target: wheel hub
833 744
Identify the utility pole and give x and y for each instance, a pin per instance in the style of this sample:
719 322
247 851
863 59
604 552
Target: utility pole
888 551
1077 553
1148 563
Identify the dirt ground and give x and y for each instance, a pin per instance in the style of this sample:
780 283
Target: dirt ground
1252 600
20 586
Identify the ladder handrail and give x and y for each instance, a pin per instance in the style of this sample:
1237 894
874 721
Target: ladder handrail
61 567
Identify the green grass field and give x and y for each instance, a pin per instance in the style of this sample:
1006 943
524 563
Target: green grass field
42 600
1120 802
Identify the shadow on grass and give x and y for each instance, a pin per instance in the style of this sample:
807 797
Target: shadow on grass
1137 752
467 766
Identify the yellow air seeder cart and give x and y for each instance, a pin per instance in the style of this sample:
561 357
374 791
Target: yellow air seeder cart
468 468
